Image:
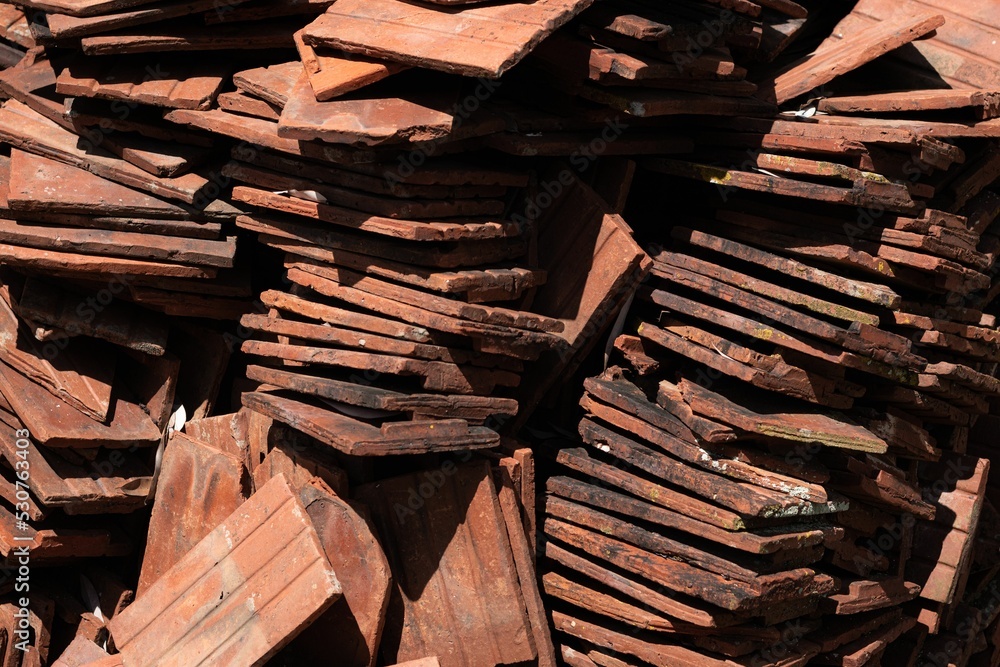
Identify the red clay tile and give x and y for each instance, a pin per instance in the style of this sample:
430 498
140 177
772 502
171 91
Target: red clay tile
245 590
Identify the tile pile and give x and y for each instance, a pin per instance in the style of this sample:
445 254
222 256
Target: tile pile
256 251
84 197
800 383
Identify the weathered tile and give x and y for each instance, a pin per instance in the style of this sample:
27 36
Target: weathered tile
396 31
502 283
14 27
581 461
183 228
322 311
980 103
56 424
422 230
244 591
515 341
352 627
82 199
525 566
324 335
64 25
482 313
434 375
815 427
46 304
332 74
762 287
25 129
959 52
197 488
114 481
941 566
866 595
175 85
584 597
68 264
70 371
423 115
861 47
620 21
632 412
315 238
847 187
679 511
440 406
31 82
355 437
263 133
156 39
440 544
384 206
132 245
273 83
238 103
859 338
740 497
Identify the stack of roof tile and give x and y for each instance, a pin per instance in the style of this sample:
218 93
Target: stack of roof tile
84 198
780 336
416 313
437 336
408 219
